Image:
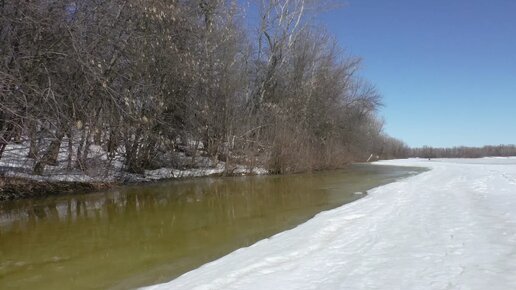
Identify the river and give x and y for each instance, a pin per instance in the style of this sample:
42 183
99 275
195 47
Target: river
145 234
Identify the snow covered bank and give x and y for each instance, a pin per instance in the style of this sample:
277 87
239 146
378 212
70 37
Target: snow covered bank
16 164
453 227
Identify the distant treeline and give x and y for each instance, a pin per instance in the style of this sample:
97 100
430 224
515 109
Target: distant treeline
144 78
464 152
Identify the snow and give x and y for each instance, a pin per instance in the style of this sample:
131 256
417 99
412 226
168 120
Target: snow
15 163
452 227
165 173
243 170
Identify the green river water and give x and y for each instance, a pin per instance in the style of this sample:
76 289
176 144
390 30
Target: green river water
141 235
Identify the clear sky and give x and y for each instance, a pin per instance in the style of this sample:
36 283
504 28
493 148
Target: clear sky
446 68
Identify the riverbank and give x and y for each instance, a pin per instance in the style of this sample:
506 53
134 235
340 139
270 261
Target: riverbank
19 188
17 178
30 186
453 227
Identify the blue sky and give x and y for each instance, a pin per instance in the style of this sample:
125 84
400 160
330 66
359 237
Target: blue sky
446 69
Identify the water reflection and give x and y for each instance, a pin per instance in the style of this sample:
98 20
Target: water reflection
139 235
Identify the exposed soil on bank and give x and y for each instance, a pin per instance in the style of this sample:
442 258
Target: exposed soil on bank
19 188
13 188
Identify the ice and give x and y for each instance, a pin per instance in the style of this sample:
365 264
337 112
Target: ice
452 227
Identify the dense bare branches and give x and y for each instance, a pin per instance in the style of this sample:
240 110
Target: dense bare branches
144 79
464 152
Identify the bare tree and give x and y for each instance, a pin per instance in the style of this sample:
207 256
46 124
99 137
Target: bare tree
144 79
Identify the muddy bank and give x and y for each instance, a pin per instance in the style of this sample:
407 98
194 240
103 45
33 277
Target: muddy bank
19 188
12 188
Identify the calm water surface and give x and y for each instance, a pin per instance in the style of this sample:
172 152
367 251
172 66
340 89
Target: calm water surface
140 235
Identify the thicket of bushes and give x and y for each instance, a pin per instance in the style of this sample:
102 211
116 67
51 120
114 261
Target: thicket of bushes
464 152
145 77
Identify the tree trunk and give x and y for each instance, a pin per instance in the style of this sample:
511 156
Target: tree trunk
33 147
79 160
70 149
53 150
50 157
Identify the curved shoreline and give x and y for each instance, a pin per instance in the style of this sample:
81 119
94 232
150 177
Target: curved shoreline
401 236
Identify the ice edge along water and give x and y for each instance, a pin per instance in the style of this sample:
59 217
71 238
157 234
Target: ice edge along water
453 227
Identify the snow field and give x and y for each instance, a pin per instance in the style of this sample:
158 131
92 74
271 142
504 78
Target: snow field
453 227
